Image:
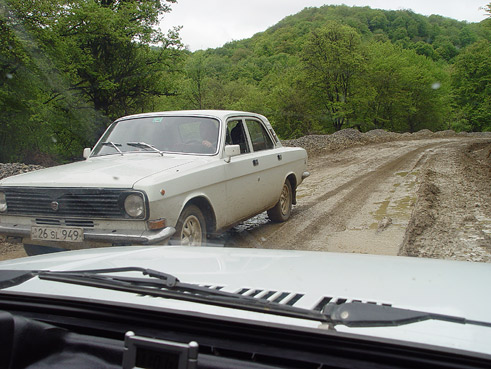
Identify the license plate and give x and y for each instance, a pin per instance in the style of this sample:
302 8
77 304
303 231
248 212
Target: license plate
67 234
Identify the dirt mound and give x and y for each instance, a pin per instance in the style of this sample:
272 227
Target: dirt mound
346 138
424 214
451 218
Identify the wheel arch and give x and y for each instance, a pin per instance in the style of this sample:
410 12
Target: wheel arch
208 212
293 182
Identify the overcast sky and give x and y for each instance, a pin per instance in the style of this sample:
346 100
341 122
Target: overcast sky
212 23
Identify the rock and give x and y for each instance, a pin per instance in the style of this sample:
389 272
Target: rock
384 223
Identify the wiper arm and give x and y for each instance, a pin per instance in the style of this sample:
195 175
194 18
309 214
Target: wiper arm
145 145
357 314
112 144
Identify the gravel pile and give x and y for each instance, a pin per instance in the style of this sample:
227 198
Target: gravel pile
318 144
10 169
480 134
447 133
424 133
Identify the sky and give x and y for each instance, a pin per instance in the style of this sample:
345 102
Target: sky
212 23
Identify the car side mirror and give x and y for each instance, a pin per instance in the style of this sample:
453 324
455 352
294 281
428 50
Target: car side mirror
86 153
231 150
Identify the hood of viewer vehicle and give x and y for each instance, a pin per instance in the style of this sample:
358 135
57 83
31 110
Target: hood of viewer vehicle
297 278
113 171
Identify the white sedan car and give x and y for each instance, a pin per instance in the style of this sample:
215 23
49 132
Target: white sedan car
185 174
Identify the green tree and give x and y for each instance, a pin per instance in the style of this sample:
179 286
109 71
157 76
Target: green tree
108 46
77 65
196 79
25 75
290 107
409 89
471 81
424 87
333 60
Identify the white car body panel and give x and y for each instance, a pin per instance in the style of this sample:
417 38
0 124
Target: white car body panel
436 286
114 171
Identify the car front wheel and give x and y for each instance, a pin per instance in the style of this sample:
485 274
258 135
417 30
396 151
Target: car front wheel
283 208
191 227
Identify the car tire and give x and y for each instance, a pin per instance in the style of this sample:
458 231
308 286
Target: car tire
191 227
283 208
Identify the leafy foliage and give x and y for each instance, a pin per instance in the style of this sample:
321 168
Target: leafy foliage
471 80
334 62
336 67
71 67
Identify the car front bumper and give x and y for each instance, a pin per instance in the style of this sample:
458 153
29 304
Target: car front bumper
127 237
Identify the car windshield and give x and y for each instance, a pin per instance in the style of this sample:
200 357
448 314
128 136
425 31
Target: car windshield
295 153
186 135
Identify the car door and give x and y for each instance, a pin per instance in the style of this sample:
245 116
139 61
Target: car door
269 168
241 173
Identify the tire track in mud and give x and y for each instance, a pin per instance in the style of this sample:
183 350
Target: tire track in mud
335 218
324 214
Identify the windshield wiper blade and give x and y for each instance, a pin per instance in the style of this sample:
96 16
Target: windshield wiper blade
356 314
168 286
145 145
112 144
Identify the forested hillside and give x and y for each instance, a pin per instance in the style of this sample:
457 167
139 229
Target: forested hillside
70 68
336 67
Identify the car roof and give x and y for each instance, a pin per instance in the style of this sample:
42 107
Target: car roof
221 114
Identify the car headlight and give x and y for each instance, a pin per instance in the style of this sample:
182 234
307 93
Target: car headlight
134 205
3 202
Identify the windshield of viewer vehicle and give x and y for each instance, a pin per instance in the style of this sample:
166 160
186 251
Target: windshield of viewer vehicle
332 155
168 134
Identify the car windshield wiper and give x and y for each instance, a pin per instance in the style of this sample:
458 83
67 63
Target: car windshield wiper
112 144
145 145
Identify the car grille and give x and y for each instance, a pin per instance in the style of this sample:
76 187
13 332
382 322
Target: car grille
65 202
65 222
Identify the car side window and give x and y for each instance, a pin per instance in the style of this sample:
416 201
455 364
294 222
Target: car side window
236 135
259 136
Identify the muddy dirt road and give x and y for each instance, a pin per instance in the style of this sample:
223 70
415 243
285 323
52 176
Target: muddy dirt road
363 199
425 197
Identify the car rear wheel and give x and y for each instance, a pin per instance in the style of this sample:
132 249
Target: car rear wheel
283 208
191 227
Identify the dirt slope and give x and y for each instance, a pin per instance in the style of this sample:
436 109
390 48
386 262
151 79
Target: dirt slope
452 217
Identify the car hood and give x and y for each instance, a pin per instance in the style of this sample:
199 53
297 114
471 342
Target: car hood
297 278
113 171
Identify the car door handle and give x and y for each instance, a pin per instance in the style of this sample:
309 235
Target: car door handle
255 162
280 157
